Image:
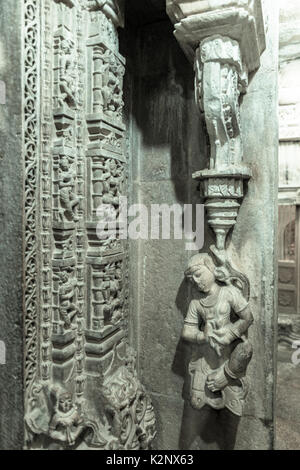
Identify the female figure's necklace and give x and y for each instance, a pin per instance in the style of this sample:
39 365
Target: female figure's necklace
211 300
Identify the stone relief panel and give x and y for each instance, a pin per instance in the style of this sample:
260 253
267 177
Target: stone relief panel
218 323
82 389
224 43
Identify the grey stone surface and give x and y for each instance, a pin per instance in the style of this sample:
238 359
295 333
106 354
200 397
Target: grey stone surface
11 374
161 145
167 144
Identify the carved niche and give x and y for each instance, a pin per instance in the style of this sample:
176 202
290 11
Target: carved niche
224 41
81 385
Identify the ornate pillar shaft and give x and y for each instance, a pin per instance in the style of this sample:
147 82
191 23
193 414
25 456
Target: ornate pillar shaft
81 385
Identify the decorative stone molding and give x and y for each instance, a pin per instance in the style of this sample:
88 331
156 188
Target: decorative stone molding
224 41
81 385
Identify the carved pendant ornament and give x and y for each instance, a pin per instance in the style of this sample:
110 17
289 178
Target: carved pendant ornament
81 385
224 44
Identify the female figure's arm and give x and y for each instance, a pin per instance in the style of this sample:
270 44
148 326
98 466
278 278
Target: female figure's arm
191 332
241 326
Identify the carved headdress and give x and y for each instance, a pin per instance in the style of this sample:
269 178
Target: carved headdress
222 269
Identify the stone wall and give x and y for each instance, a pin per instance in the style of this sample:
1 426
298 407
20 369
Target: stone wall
11 170
168 143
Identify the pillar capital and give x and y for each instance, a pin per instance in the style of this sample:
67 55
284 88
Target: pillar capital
240 20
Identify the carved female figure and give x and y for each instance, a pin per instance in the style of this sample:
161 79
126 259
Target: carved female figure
67 423
66 185
67 293
67 78
110 8
217 323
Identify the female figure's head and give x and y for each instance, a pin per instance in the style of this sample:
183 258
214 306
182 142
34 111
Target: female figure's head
201 271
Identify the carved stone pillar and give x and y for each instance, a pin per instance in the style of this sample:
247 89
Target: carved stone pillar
223 41
81 384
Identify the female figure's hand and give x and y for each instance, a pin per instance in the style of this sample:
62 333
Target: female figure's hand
223 336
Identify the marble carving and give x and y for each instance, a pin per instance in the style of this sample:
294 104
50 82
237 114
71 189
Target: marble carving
223 41
81 384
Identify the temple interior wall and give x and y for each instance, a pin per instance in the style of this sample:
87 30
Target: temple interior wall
168 143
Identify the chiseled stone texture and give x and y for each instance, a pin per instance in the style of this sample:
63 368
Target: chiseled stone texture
289 96
254 238
165 148
168 144
11 375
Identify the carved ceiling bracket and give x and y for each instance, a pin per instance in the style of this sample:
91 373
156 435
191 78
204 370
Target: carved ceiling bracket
224 43
223 40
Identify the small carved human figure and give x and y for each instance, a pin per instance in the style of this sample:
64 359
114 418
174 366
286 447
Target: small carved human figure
67 296
66 183
113 185
67 77
67 423
116 302
217 323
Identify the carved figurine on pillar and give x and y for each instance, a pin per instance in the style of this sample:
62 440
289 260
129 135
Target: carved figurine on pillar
218 323
220 78
111 8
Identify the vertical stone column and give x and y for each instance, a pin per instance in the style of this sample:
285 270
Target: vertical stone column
228 326
81 385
